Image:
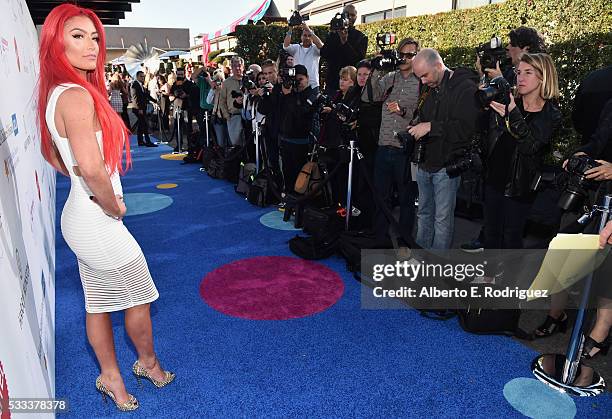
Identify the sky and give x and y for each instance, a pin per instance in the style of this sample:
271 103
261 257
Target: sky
199 16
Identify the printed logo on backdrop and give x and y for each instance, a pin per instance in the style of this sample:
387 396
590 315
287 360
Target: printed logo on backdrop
17 54
24 279
4 54
15 126
4 395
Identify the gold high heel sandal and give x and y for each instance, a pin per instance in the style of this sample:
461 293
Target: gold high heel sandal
131 404
140 371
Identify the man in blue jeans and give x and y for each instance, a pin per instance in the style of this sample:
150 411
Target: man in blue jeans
447 115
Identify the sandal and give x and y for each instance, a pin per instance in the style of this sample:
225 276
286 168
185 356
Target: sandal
590 344
551 326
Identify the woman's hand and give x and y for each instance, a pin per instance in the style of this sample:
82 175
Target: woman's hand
500 108
120 204
326 109
603 172
605 237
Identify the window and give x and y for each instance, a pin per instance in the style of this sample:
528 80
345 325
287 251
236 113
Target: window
466 4
386 14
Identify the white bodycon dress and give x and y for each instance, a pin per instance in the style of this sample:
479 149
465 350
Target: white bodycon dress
114 272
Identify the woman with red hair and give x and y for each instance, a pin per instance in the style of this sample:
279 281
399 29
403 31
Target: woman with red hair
84 138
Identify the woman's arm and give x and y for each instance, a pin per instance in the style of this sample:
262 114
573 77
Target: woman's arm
76 116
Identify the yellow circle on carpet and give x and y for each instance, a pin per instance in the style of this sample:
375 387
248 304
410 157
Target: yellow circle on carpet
166 186
172 156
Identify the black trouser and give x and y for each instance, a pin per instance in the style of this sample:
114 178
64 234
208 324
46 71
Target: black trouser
505 220
294 156
143 127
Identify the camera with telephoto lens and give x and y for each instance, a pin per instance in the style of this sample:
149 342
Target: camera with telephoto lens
469 159
248 83
287 74
578 186
389 58
497 89
339 21
491 53
296 19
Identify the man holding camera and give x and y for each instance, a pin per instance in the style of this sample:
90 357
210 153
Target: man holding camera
230 101
140 98
448 118
186 98
344 46
400 91
308 53
270 107
295 124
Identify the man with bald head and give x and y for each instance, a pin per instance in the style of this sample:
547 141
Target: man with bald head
343 47
447 117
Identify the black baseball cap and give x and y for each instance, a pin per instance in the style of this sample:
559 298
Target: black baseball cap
300 69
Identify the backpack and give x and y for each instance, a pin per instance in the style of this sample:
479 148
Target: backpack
320 222
352 242
231 163
492 322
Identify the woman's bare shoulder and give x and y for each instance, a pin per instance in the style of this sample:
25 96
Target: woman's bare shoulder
75 101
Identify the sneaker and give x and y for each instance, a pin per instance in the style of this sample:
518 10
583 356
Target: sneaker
475 246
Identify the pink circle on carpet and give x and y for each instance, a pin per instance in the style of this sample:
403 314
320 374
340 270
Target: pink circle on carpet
271 288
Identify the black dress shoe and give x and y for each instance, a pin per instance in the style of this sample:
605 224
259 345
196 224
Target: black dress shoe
150 144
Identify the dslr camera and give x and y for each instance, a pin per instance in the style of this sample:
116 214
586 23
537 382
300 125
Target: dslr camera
339 21
469 159
287 74
343 112
578 186
497 89
491 53
296 19
248 82
389 58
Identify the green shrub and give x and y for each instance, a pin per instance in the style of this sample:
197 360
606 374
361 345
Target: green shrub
578 35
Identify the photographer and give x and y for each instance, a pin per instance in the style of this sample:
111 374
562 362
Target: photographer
501 61
448 118
399 91
205 85
338 128
308 53
295 124
270 107
230 101
344 46
214 98
186 97
518 135
598 340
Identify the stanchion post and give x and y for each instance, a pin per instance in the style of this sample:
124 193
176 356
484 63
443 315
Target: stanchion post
349 185
207 133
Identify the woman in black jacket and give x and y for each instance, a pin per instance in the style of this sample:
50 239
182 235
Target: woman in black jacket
516 140
338 123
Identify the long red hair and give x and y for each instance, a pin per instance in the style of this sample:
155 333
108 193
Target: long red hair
55 69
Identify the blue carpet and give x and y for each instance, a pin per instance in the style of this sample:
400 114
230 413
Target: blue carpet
343 362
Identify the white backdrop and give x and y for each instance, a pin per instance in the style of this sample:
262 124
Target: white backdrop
27 218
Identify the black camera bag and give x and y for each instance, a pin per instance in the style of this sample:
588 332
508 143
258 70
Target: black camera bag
263 191
314 248
320 222
209 153
231 163
216 168
246 176
492 322
352 242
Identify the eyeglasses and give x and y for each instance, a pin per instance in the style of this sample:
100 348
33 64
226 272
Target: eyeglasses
407 54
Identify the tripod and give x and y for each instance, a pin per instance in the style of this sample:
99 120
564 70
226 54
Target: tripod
178 122
566 373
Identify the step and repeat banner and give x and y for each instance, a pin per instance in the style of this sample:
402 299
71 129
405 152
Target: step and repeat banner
27 220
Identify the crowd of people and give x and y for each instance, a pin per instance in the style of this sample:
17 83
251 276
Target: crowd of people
417 124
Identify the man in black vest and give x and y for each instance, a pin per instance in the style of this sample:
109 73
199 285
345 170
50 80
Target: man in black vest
140 98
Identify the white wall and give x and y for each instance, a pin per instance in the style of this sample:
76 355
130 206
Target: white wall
413 8
27 219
